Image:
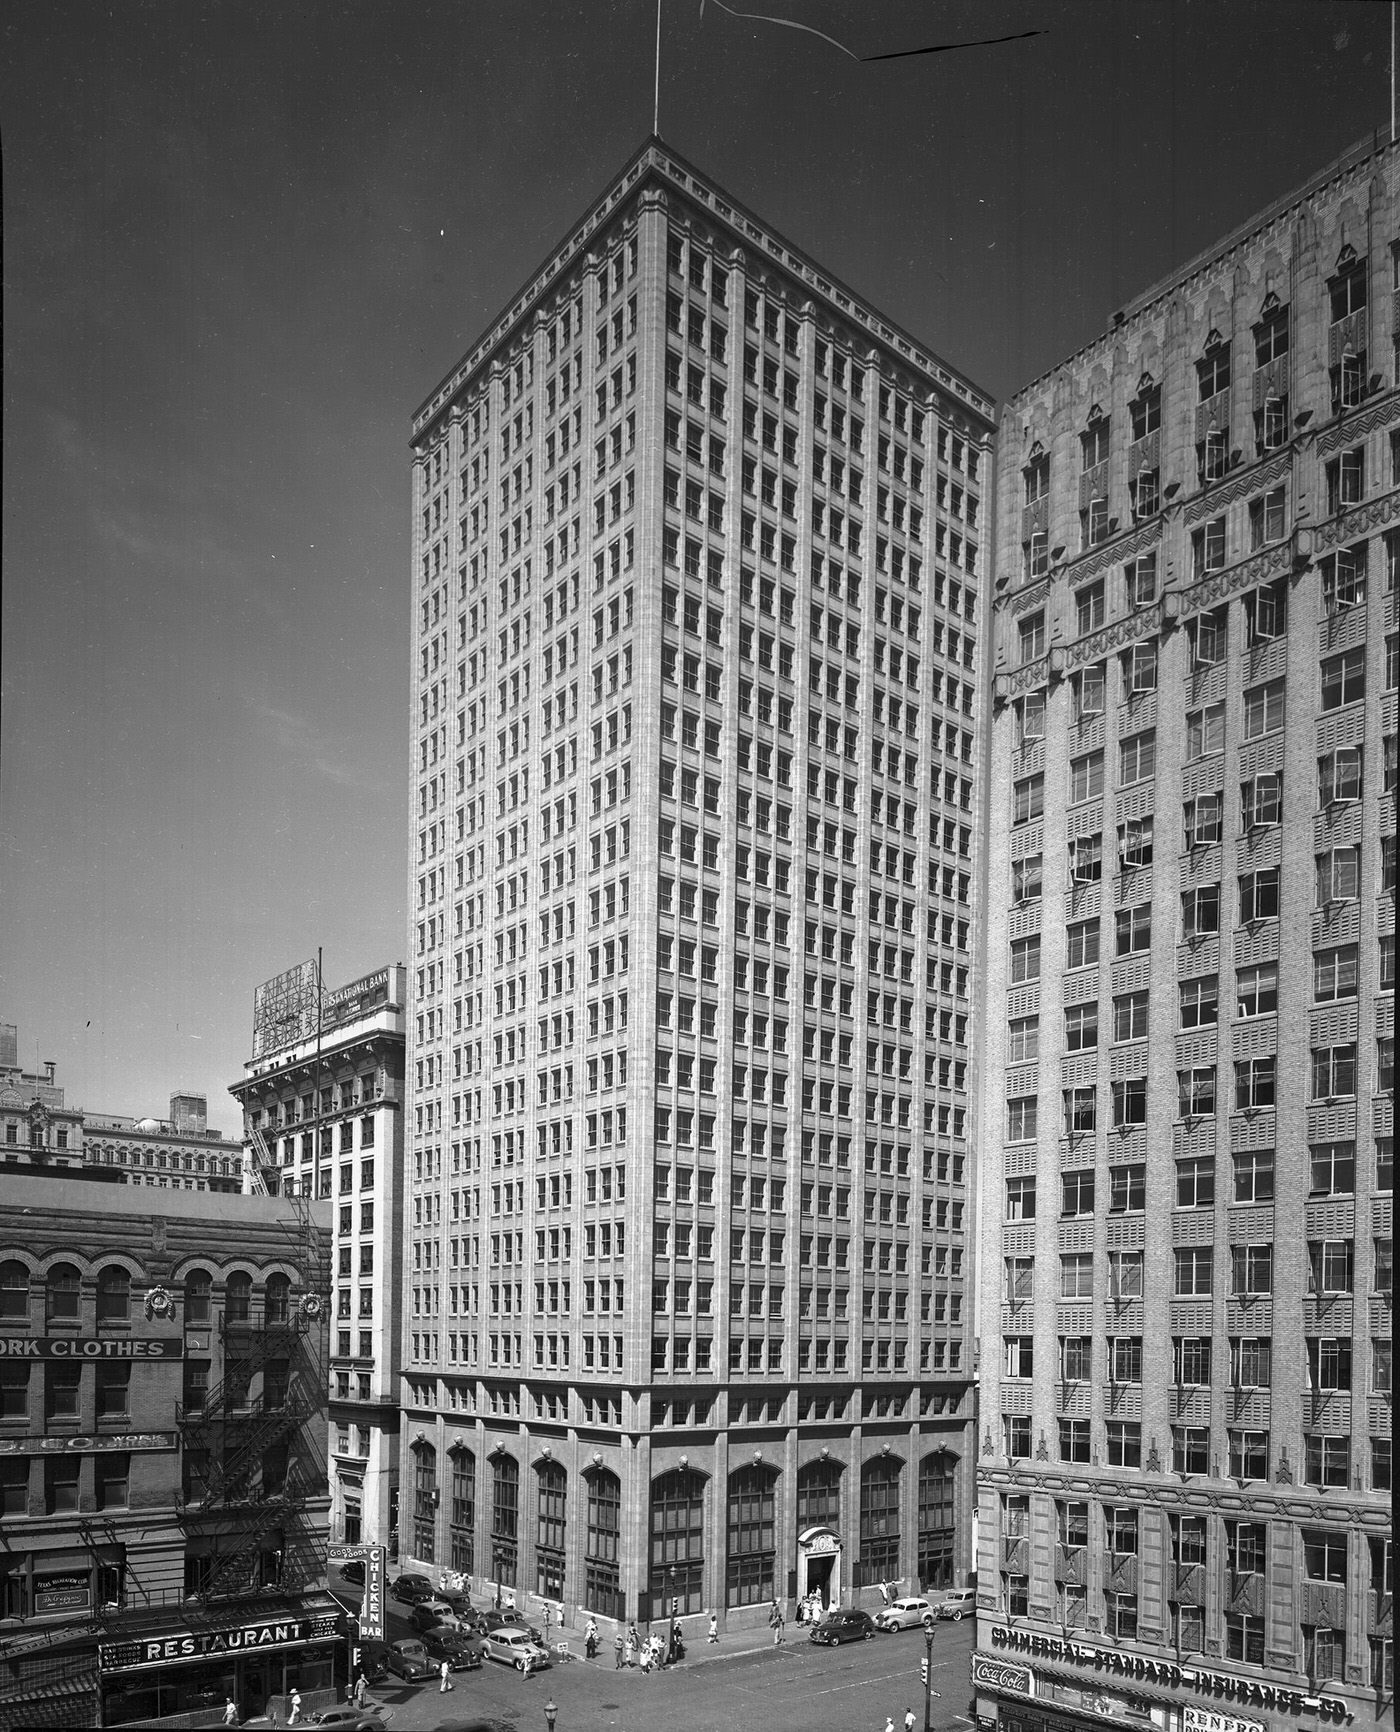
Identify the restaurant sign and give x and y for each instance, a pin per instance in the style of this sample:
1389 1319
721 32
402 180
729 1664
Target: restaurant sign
91 1347
1207 1720
188 1645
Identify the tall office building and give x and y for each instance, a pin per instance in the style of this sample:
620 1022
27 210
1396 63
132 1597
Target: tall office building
697 594
1185 1460
322 1099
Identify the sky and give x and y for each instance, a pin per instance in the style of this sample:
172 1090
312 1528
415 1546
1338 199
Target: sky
243 242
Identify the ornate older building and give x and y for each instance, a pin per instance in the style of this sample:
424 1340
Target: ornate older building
697 592
162 1453
1185 1462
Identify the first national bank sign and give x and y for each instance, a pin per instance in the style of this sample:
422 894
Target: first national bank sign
191 1645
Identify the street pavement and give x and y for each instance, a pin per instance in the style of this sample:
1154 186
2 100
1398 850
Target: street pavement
743 1685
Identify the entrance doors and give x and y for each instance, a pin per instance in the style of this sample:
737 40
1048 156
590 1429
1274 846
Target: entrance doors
819 1565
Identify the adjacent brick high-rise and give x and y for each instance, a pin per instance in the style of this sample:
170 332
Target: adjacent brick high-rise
697 594
1185 1460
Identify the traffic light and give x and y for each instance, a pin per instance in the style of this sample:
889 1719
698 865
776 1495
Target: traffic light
676 1606
923 1673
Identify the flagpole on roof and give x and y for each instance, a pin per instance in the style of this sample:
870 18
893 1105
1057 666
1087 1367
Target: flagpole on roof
656 88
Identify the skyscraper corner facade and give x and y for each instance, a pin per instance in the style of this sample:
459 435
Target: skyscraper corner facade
1186 1211
697 591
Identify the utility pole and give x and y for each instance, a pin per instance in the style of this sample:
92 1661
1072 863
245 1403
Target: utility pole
928 1676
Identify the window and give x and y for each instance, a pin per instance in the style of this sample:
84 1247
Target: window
1025 959
1088 688
1199 1003
1135 843
1266 518
1127 1189
1125 1359
1077 1194
1338 875
1203 817
1325 1460
14 1393
1261 801
1081 1026
1330 1265
1339 775
1263 709
1031 637
1086 859
1346 480
1124 1440
1251 1361
1213 372
64 1383
1077 1282
1343 678
1021 1119
1137 758
1194 1272
1074 1439
1254 1083
1026 878
1130 1016
1195 1092
1208 554
1028 799
1200 911
1252 1270
1254 1175
14 1290
1030 718
1333 1072
1266 613
1344 579
1130 1101
1329 1362
1081 946
62 1293
1090 607
1249 1454
1133 929
1205 732
1333 1169
1259 894
1334 974
1140 576
1080 1106
1020 1199
1195 1182
1140 667
1086 777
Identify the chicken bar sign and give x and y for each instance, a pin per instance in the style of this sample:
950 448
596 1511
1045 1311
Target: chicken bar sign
201 1644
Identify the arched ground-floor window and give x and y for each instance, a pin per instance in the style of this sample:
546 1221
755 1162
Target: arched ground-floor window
937 1524
505 1519
677 1543
549 1537
425 1501
461 1530
879 1522
602 1586
750 1557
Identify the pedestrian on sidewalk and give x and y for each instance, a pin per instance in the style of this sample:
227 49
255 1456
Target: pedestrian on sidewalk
361 1690
617 1652
230 1712
294 1718
444 1678
714 1629
889 1723
780 1632
908 1720
590 1640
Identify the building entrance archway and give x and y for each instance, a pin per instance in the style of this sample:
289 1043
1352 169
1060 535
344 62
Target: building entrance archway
819 1565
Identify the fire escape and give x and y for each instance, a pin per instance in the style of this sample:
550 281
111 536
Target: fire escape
250 1462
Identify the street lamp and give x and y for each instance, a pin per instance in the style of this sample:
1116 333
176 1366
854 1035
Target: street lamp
928 1676
550 1710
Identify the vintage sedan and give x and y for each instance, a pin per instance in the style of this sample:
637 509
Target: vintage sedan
845 1624
512 1645
410 1589
907 1614
445 1642
409 1660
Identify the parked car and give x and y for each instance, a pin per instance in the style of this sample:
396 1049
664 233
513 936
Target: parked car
962 1602
446 1642
844 1625
511 1644
409 1660
348 1718
906 1614
461 1607
433 1610
410 1589
488 1621
354 1572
